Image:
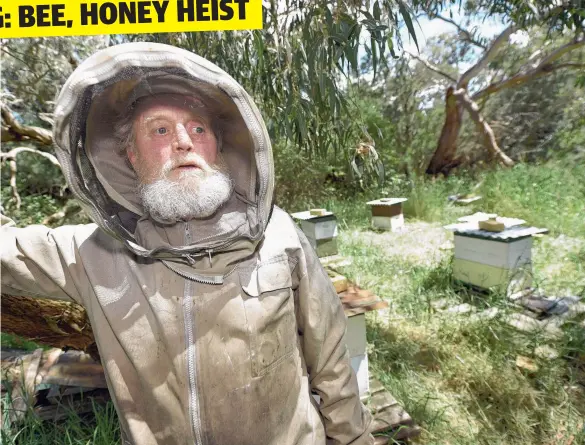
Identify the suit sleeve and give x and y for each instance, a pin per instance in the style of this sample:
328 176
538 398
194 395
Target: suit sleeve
322 326
41 262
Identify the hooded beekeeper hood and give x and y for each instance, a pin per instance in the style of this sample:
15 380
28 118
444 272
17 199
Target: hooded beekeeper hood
88 107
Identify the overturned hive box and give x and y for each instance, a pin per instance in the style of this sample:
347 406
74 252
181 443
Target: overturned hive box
320 228
488 259
387 213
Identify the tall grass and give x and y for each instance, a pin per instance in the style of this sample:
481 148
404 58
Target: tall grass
550 195
99 427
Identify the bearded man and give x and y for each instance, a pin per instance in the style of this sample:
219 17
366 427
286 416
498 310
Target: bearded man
214 320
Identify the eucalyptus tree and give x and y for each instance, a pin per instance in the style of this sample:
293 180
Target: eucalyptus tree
563 18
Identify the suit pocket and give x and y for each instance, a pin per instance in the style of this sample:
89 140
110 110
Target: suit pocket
270 315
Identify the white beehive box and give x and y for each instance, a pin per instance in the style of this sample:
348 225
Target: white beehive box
493 259
387 213
356 345
356 302
355 339
320 230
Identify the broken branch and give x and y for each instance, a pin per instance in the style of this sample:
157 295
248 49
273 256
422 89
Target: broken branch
483 127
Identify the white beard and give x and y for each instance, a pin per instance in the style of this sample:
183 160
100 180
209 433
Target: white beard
195 195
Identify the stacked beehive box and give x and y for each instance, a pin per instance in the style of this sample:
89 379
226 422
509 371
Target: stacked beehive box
356 302
387 213
320 228
493 259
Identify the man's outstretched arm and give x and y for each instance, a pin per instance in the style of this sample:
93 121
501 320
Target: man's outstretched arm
38 261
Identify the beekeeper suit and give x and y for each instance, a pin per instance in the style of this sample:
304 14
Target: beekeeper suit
214 330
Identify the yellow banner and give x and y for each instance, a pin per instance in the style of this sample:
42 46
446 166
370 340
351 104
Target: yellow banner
45 18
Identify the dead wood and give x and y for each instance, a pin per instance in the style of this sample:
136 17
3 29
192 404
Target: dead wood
56 323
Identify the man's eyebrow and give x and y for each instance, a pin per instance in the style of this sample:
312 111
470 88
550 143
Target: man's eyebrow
162 116
153 117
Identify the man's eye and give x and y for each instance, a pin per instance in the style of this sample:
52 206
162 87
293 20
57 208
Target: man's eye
198 130
161 130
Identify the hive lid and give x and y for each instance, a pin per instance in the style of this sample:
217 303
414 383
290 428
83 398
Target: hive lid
481 216
386 201
510 233
306 215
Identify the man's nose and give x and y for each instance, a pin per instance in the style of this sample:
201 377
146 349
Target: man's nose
183 140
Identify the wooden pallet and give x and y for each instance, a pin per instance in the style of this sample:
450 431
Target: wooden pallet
335 261
51 384
391 423
354 299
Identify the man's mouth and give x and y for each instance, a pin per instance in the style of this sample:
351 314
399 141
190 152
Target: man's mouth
188 166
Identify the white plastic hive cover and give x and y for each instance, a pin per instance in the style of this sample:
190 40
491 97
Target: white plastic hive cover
386 201
306 215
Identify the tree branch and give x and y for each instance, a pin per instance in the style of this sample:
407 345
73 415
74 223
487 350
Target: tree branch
71 208
468 36
22 132
432 67
10 155
489 55
561 51
11 158
15 194
544 67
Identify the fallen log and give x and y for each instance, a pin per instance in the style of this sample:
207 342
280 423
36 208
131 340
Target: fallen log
65 325
55 323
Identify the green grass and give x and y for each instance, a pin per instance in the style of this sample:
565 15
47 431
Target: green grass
456 375
550 195
9 341
99 427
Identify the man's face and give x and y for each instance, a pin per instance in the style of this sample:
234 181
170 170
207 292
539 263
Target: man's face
174 153
173 139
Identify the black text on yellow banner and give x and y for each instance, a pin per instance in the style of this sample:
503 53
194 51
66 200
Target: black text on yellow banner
44 18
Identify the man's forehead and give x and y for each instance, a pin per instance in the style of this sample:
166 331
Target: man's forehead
161 102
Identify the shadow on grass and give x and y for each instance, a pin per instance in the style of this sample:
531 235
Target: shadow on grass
395 360
459 372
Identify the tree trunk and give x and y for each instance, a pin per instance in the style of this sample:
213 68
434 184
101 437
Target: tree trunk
54 323
444 158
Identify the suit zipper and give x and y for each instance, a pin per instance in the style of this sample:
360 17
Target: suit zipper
214 279
191 354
